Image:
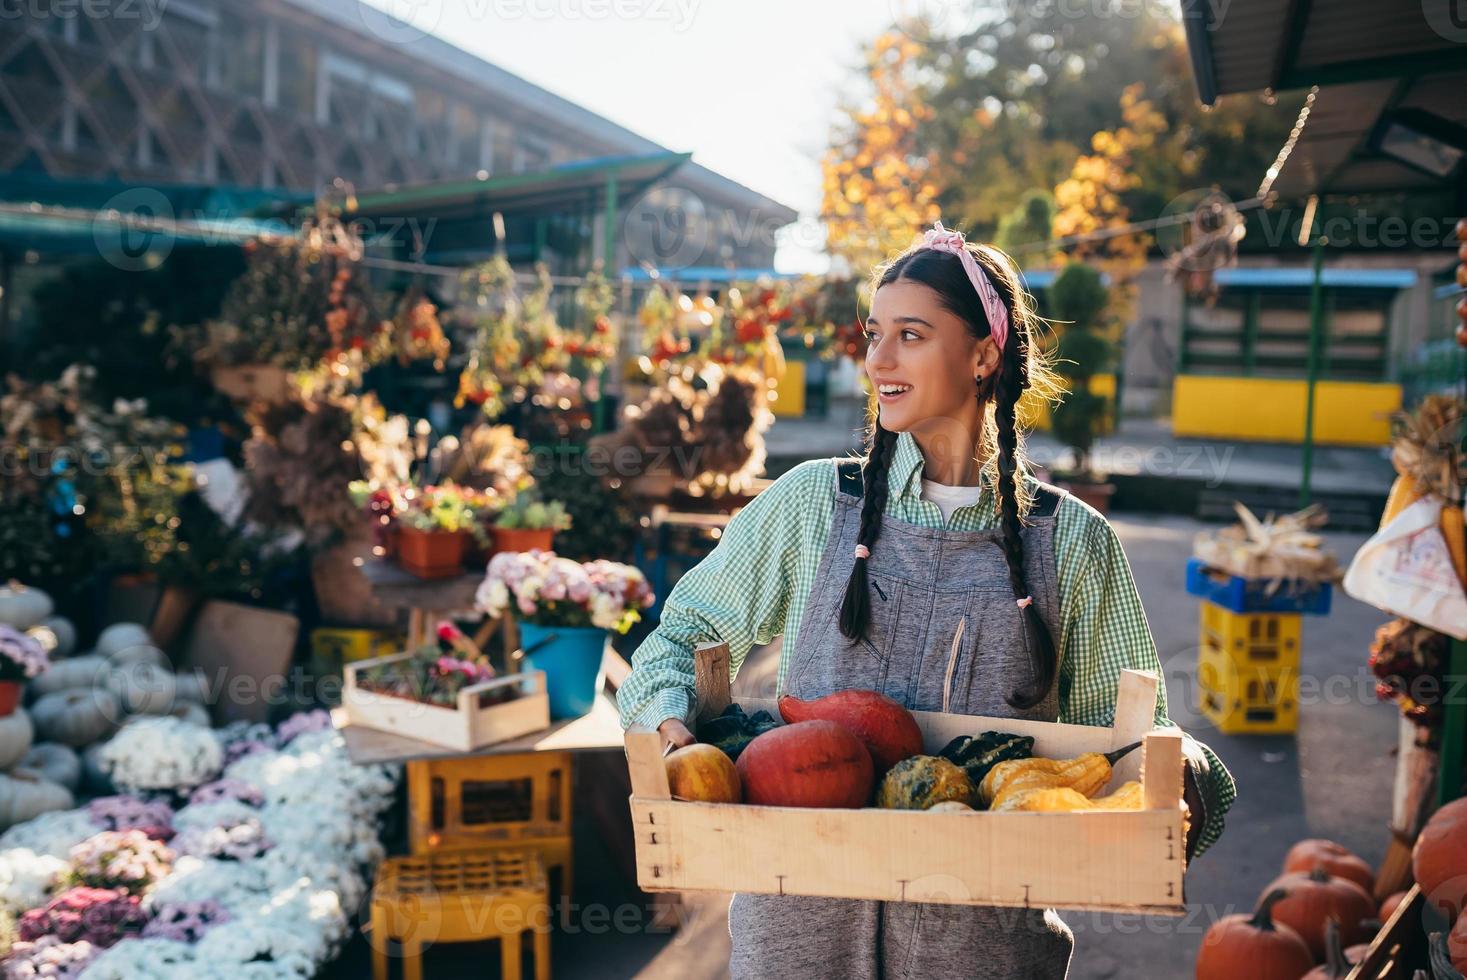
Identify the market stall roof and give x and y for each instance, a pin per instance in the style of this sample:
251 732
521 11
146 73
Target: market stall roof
1389 114
59 217
575 186
1250 45
1304 278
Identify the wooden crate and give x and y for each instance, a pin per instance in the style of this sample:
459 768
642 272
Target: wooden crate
470 725
1399 949
1130 861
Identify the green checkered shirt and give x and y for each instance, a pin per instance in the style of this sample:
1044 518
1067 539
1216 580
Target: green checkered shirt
755 583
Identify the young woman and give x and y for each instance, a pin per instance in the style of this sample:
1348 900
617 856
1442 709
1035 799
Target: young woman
937 571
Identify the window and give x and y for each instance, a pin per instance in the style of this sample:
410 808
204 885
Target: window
1265 332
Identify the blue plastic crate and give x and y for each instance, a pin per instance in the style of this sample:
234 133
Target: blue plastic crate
1244 595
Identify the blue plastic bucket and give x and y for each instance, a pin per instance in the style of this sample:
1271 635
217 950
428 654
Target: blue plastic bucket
571 661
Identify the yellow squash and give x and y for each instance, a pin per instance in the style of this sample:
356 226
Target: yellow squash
1057 799
1085 774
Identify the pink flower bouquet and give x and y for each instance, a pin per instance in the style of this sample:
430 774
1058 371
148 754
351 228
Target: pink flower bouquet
548 590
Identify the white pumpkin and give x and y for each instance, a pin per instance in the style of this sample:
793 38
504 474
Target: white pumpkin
65 674
94 775
56 635
16 735
191 712
120 636
22 606
26 794
144 689
193 686
57 762
139 653
77 716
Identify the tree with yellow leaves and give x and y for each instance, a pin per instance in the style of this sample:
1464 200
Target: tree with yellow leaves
877 192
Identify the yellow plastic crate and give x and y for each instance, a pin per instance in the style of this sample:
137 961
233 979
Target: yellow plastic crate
343 645
1247 700
1252 639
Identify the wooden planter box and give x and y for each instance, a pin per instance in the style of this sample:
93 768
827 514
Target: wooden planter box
1118 861
470 725
431 554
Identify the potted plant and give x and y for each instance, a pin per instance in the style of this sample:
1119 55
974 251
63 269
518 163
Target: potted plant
21 658
1079 299
434 528
529 523
566 609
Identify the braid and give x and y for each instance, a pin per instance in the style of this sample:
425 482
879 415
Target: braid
1012 380
855 608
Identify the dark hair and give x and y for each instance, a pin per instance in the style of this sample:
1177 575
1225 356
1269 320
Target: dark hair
1023 367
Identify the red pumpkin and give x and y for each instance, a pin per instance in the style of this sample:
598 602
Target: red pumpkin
1336 860
888 730
1253 946
1439 859
810 763
1389 906
1315 898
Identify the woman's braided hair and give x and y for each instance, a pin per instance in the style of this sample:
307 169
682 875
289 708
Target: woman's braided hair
1023 367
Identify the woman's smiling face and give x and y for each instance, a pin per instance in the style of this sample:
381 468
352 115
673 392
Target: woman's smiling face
922 359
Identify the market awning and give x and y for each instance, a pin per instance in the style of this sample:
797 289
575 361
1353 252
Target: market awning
73 217
1303 278
1251 45
1389 116
567 186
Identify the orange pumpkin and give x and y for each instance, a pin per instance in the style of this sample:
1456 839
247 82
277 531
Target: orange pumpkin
1253 946
1439 859
1336 860
1315 898
704 773
1388 907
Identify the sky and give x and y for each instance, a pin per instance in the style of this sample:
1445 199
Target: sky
748 86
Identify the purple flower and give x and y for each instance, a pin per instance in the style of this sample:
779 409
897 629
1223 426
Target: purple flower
242 841
100 916
303 722
185 922
21 656
227 789
131 813
241 748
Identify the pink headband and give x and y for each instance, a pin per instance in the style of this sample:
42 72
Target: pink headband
942 240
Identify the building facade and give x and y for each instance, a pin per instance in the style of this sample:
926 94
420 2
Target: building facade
297 94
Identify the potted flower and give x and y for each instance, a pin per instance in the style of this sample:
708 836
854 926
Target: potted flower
529 523
433 530
566 609
21 658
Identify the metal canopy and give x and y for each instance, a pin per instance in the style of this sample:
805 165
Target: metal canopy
569 186
1249 45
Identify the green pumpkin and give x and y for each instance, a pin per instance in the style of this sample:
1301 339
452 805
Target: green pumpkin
923 781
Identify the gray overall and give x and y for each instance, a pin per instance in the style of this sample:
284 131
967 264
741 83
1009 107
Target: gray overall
925 585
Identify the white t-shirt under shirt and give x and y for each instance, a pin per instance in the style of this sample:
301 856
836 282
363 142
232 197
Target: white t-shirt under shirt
949 499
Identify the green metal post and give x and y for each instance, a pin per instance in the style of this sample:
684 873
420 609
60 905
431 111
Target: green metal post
608 260
1454 724
1316 324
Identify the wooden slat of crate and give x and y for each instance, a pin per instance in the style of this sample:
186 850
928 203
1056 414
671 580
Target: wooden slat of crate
1113 861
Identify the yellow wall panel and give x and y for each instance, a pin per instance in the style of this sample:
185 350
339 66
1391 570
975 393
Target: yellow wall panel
1346 413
